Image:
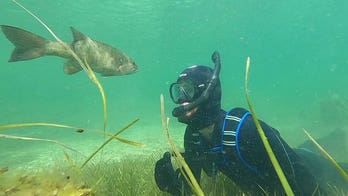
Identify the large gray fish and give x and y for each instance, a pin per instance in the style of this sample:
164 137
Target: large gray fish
334 142
102 58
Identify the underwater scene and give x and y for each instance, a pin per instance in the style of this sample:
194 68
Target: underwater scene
71 125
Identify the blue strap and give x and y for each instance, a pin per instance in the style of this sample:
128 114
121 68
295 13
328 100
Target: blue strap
221 148
224 125
237 144
222 134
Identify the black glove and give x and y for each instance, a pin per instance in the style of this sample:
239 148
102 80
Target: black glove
165 175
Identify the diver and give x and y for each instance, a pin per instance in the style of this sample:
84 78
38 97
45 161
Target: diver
227 141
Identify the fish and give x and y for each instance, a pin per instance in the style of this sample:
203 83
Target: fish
102 58
335 142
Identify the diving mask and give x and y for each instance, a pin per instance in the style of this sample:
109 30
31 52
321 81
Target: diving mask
184 91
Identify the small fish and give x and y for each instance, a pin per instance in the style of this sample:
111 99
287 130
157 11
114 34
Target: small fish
80 130
102 58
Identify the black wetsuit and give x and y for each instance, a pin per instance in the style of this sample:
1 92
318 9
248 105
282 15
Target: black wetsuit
237 151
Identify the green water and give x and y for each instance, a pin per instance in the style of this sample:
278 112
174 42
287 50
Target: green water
298 78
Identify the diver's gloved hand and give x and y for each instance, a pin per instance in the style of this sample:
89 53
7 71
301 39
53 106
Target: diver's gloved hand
165 175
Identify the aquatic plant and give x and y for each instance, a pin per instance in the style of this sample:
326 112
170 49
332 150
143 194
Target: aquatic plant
129 176
41 140
184 168
78 130
111 138
28 184
327 155
84 65
274 161
132 175
265 142
57 181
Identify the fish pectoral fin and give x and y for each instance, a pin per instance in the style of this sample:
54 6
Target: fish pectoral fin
71 67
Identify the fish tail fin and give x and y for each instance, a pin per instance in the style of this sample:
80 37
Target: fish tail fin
27 45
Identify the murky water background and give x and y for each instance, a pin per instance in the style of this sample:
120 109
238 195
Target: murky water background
298 78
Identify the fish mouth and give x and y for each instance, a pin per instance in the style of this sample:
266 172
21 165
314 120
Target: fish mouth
135 67
128 68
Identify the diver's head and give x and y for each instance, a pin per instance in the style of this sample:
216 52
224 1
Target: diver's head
197 106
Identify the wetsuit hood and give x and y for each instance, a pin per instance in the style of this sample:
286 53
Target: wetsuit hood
206 112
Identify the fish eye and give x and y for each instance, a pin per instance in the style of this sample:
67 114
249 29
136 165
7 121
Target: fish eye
121 60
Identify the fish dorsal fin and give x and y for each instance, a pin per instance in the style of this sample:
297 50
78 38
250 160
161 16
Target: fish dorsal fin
77 35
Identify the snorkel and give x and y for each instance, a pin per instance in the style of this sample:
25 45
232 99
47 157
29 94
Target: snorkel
184 108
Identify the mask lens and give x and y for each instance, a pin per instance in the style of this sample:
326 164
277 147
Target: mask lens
182 92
